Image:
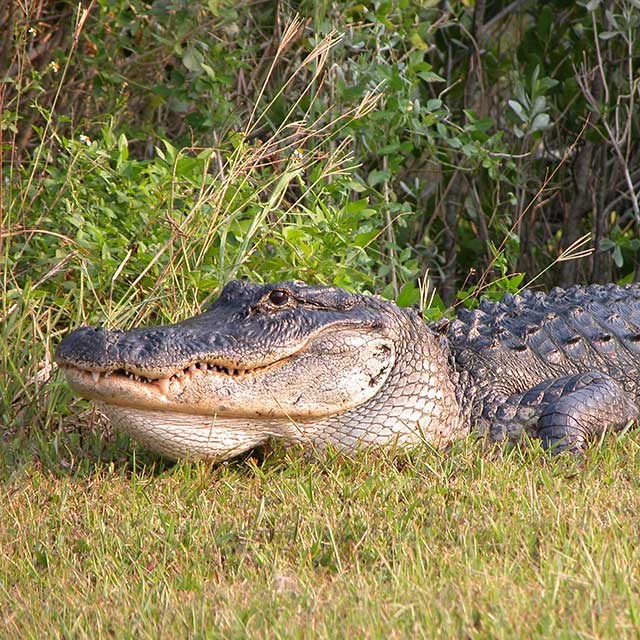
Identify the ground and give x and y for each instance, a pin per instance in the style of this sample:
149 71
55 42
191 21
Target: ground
467 543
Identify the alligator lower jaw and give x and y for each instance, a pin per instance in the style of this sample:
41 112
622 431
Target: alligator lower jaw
128 389
139 407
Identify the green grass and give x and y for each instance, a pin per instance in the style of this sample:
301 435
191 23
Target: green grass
465 544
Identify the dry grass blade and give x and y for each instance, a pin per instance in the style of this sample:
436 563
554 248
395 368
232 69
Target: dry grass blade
575 250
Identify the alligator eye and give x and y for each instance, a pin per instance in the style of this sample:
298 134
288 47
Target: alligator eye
278 297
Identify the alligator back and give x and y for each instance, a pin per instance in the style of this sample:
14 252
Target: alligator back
512 345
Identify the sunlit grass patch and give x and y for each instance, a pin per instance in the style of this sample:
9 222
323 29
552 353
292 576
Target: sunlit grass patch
420 543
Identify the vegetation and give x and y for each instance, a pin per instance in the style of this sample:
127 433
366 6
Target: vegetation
152 150
425 546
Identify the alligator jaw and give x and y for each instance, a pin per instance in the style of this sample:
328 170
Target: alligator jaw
210 411
126 388
350 370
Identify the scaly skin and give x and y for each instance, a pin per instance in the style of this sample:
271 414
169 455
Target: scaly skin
311 365
563 366
321 366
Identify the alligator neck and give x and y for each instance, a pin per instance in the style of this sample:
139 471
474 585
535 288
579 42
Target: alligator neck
418 403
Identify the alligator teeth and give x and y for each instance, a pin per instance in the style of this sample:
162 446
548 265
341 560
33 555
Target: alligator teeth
178 377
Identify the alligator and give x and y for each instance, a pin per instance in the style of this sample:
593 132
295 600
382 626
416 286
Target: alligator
328 368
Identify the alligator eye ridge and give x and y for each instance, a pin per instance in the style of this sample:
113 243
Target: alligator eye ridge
278 297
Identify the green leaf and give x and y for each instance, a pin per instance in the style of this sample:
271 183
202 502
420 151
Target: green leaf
356 186
364 239
208 70
616 256
123 148
541 122
544 84
192 59
418 42
518 110
539 105
469 150
454 143
389 149
430 76
442 130
377 176
409 295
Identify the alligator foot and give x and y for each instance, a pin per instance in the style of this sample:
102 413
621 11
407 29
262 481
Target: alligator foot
565 413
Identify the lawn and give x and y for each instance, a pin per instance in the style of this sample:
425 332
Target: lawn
432 153
467 543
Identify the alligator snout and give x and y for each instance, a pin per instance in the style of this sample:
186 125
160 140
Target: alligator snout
91 348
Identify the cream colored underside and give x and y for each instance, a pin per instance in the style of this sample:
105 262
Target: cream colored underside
191 436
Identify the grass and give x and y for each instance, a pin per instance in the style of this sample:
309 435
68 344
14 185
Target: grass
466 544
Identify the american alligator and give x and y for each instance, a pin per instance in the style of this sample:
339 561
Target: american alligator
322 366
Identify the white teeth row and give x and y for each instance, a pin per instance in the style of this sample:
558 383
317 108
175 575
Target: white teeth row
163 383
96 375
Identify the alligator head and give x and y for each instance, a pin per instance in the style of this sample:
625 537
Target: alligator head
315 365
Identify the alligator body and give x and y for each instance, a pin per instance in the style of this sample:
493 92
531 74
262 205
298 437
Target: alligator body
321 366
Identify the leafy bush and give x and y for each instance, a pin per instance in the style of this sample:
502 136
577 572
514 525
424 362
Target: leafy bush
489 128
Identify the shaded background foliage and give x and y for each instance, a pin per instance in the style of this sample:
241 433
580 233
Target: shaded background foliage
503 133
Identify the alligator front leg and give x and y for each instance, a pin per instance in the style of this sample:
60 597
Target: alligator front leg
565 413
